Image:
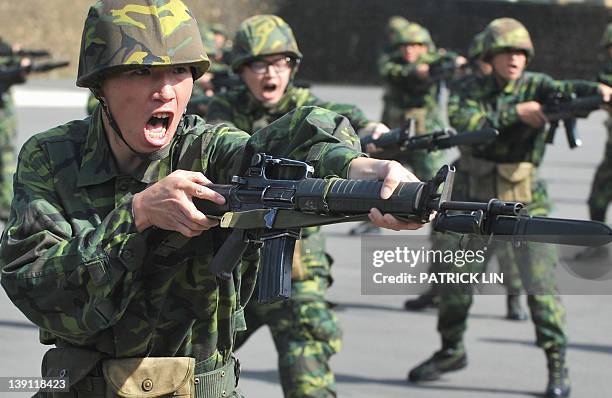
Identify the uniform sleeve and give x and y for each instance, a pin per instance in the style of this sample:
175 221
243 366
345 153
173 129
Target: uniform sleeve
355 115
319 136
467 113
581 88
220 111
392 70
71 281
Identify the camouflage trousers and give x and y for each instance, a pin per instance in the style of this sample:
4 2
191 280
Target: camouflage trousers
304 328
535 264
601 189
423 164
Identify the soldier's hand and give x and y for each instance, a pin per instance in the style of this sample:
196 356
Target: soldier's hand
392 173
531 113
168 204
375 129
422 71
605 91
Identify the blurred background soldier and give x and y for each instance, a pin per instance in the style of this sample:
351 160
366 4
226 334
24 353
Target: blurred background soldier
509 100
601 189
512 280
411 86
8 131
305 330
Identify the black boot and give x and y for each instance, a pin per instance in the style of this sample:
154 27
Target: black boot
422 302
515 311
558 377
445 360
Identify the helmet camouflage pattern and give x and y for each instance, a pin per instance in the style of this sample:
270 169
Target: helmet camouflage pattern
395 26
123 34
476 46
412 33
219 29
263 35
506 33
606 39
208 40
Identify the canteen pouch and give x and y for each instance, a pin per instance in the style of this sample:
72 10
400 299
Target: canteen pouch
149 377
420 117
514 182
72 363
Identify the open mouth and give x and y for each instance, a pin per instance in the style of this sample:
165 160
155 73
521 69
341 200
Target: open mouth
269 87
157 125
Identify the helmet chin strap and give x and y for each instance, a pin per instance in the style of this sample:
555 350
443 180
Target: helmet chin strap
142 155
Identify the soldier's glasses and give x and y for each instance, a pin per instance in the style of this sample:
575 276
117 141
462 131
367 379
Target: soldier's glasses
280 65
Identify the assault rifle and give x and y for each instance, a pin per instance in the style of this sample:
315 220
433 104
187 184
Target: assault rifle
276 197
445 68
403 139
13 74
7 51
566 108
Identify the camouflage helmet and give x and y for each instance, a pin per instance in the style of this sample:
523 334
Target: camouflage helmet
208 40
606 39
476 46
395 26
506 33
123 34
219 29
263 35
412 33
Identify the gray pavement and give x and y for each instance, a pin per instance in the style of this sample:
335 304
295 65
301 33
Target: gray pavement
381 341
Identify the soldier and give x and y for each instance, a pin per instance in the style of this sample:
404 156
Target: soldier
8 129
410 91
601 189
480 66
104 249
305 329
509 100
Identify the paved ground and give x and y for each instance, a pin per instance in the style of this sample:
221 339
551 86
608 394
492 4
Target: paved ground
381 341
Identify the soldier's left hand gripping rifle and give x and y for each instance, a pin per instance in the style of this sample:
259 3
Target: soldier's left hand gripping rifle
276 197
567 107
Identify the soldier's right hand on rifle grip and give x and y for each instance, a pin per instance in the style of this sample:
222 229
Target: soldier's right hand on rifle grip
531 113
167 204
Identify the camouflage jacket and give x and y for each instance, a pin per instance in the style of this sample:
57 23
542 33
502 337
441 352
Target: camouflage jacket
480 102
75 265
240 108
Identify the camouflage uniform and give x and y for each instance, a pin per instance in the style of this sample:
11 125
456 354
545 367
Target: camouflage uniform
8 135
406 95
304 328
507 169
601 190
71 257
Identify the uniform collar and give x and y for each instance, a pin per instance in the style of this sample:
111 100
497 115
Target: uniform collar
98 164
